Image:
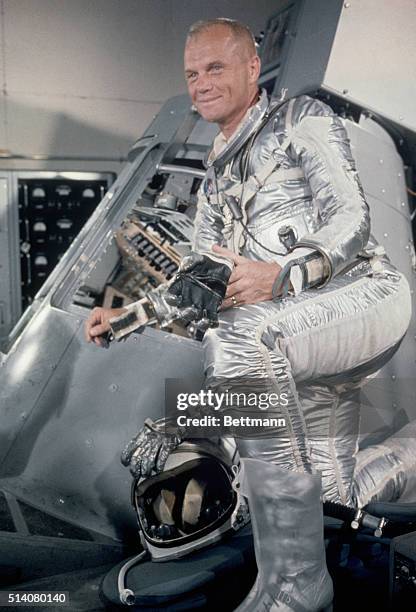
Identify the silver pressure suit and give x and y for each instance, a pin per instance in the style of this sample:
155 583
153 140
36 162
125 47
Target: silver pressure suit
341 322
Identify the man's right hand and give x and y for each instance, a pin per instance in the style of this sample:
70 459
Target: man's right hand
97 323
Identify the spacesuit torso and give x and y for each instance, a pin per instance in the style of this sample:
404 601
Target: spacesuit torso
296 186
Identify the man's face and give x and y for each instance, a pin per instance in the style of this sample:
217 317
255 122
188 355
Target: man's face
221 76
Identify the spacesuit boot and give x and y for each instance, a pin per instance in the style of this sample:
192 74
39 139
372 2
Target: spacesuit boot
287 521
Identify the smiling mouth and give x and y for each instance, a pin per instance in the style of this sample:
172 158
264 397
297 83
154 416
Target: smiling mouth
208 101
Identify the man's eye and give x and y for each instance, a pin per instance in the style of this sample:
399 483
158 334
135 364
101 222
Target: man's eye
191 76
216 68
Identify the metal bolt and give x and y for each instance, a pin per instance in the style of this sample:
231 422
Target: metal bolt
383 191
347 5
393 377
385 234
113 387
403 204
345 91
381 161
61 500
23 416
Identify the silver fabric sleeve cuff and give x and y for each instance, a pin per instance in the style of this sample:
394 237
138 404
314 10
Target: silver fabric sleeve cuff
137 315
299 274
313 272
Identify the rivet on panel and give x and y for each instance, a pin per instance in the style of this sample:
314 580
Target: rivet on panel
385 234
383 191
113 387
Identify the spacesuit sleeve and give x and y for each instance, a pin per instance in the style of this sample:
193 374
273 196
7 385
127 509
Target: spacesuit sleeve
320 146
208 224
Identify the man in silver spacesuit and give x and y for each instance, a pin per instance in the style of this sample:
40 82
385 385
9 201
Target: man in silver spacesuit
312 304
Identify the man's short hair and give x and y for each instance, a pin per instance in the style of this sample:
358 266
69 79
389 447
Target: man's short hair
239 30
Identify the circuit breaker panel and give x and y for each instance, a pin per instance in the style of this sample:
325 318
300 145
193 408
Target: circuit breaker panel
43 213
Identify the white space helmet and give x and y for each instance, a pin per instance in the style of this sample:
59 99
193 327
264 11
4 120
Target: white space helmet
192 503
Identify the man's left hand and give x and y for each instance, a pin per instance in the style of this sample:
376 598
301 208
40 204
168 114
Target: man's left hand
250 281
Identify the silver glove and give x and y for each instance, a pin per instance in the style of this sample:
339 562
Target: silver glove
148 451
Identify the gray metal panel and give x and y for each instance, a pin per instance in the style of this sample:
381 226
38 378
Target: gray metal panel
308 46
382 174
363 52
373 58
68 408
5 276
10 307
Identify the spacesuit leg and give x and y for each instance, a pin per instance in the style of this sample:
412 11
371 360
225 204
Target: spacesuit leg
237 360
332 415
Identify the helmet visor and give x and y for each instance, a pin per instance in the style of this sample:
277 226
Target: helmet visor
190 500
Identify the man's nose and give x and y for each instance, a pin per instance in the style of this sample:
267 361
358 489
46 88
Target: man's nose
204 83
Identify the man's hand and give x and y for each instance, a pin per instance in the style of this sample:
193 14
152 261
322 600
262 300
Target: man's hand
250 281
199 287
148 451
97 323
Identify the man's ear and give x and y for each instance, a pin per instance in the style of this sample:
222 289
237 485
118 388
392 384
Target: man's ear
254 68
